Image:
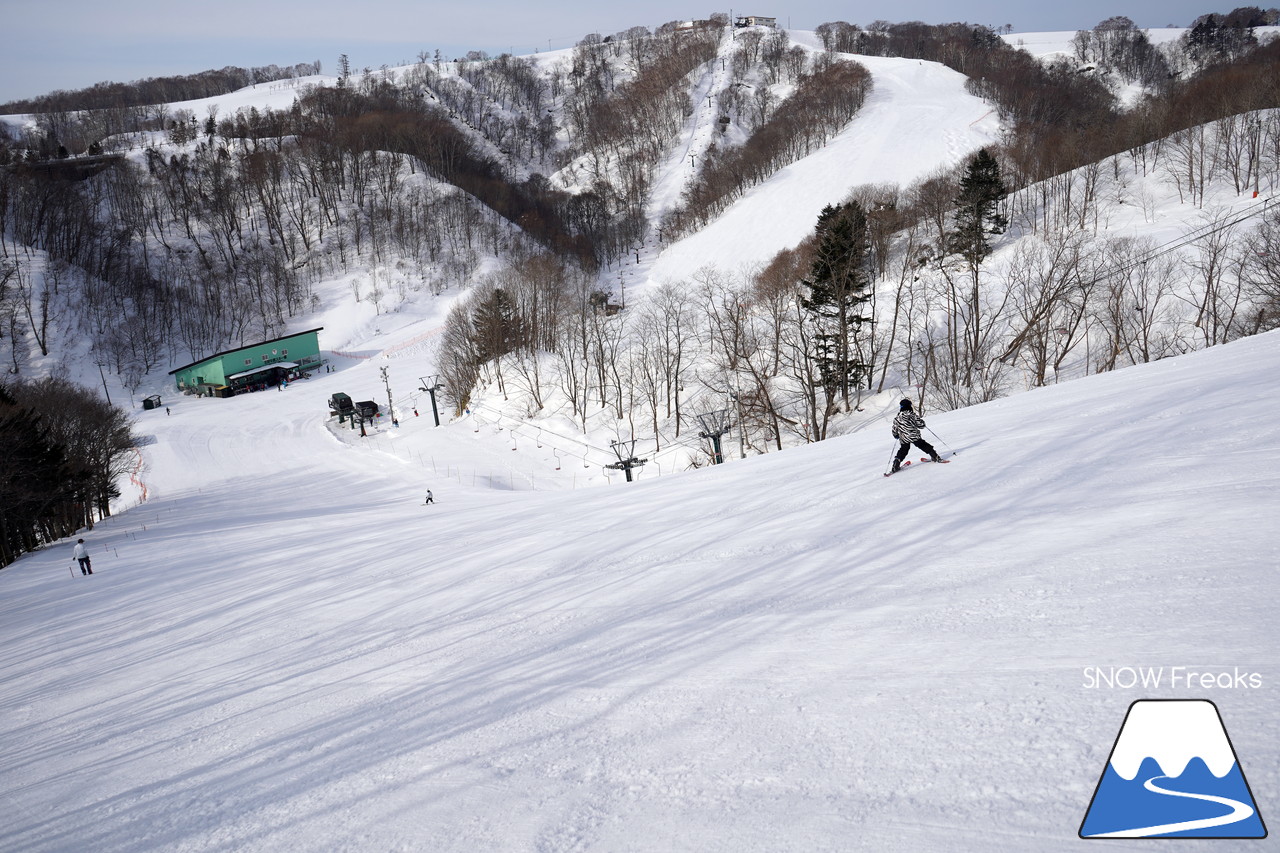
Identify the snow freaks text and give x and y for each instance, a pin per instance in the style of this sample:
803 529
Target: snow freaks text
1173 677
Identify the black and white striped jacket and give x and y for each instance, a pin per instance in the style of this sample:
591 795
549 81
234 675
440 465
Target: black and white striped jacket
907 426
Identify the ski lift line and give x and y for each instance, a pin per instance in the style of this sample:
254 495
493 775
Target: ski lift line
517 431
1192 236
376 444
1184 240
1179 243
570 439
1213 227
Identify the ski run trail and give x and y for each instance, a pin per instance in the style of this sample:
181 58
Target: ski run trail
917 117
282 649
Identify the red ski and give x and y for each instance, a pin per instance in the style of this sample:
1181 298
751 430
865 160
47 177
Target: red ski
922 459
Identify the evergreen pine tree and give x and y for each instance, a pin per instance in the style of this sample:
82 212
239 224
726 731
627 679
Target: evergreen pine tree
978 209
38 494
498 329
977 216
838 286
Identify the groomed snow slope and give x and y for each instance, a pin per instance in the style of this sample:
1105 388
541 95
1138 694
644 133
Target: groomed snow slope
282 650
918 118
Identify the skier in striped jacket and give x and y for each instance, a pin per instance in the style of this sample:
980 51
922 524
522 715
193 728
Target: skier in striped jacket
906 428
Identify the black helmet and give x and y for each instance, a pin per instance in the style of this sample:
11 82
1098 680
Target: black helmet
905 404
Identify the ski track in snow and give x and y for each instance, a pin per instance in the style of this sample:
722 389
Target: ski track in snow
283 650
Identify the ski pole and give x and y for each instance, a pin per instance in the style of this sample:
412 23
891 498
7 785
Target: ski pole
72 568
944 444
892 454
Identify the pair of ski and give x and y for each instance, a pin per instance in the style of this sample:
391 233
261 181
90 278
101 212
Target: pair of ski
908 464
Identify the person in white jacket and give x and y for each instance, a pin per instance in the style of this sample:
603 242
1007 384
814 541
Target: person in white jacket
82 557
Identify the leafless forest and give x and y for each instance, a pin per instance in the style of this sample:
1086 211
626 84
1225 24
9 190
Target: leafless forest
152 236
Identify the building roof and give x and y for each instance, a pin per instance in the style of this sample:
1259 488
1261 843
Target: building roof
284 364
245 346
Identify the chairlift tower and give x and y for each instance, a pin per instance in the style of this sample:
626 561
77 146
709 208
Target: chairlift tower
391 409
431 387
625 451
714 425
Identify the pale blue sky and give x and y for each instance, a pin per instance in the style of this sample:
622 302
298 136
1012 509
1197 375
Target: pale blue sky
71 44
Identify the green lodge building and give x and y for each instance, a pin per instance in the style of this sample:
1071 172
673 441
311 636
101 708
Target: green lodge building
252 367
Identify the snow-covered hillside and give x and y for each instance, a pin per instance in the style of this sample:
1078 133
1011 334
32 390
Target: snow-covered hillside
1052 45
918 119
282 649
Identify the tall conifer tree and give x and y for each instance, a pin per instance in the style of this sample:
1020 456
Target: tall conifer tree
977 217
978 209
838 286
497 326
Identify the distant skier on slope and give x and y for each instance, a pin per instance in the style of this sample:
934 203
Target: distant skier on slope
81 555
906 428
